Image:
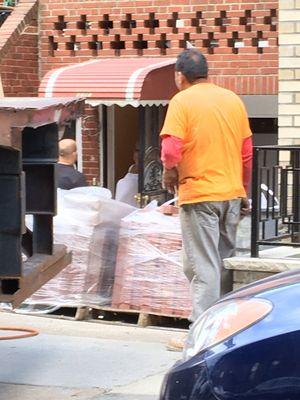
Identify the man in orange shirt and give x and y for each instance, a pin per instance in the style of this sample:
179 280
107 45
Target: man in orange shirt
207 154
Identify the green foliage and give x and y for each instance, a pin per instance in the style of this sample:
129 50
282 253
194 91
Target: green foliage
9 3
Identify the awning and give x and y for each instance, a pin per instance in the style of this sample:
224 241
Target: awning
121 81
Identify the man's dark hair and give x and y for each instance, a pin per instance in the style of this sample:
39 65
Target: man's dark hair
192 64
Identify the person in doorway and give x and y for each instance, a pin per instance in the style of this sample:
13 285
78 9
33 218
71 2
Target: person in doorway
67 176
127 187
207 155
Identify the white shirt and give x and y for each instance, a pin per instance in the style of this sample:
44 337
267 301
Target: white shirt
127 188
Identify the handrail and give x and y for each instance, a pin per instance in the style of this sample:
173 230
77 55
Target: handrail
277 222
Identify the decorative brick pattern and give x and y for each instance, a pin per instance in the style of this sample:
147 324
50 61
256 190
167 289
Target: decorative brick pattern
239 37
176 23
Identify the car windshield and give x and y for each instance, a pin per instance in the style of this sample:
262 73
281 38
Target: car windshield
283 279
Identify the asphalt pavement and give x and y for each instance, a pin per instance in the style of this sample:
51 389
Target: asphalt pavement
82 360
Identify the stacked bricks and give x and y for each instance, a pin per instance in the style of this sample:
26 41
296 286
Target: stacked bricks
69 286
19 51
89 226
149 276
238 36
289 72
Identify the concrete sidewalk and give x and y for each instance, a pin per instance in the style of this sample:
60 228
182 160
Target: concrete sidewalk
83 360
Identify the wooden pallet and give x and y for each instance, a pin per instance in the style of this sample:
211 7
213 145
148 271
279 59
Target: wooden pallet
115 315
144 319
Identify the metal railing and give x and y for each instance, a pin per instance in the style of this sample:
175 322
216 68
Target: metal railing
275 219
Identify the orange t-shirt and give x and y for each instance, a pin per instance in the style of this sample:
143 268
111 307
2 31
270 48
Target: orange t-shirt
212 122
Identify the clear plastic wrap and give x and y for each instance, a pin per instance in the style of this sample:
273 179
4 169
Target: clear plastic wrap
88 224
149 274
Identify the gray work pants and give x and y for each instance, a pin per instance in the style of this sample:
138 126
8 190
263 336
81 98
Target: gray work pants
208 234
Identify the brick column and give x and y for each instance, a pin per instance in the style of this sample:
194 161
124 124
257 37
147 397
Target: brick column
90 144
289 72
19 51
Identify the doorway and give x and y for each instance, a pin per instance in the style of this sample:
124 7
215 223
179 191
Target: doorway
126 130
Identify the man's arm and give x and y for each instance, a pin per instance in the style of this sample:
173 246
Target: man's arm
173 134
171 151
80 180
247 154
171 154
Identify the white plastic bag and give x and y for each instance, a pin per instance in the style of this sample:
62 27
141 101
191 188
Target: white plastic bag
93 190
127 188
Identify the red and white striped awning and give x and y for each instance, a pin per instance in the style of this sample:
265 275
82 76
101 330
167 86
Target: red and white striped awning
121 81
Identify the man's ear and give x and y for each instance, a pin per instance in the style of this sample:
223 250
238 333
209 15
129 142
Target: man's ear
179 79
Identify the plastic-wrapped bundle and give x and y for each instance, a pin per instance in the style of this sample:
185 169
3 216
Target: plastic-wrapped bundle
149 274
88 224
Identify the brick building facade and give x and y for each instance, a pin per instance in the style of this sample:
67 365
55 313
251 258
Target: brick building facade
289 72
239 38
19 51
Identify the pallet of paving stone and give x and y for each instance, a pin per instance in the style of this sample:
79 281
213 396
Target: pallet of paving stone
149 274
88 224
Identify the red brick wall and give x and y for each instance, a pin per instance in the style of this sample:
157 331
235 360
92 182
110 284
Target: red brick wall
77 30
90 143
19 67
19 50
